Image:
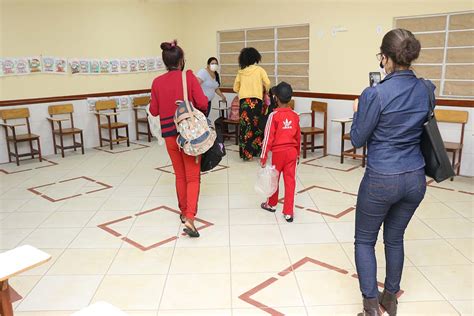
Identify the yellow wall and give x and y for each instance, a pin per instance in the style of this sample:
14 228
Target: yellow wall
338 64
83 28
134 28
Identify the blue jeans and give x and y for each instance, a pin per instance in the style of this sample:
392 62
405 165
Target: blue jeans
391 200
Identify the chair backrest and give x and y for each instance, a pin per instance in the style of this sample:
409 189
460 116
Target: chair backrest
452 116
105 105
320 107
13 114
141 101
60 109
317 106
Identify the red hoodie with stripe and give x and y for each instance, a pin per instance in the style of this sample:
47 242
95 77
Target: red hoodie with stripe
281 132
166 90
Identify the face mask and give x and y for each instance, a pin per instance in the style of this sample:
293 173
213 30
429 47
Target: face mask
214 67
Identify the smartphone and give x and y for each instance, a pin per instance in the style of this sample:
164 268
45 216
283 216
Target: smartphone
374 78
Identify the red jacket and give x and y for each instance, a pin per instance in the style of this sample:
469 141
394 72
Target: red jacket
166 90
282 132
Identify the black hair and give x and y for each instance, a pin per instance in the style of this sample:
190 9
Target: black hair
401 46
283 91
209 61
249 56
172 54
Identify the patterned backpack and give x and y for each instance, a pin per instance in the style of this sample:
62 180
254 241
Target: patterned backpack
195 134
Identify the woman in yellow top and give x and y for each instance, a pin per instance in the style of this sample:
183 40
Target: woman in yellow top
249 84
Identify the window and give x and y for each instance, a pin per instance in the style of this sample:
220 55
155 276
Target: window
447 51
284 50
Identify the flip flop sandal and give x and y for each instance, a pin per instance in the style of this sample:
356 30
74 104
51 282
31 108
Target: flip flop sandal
267 207
191 233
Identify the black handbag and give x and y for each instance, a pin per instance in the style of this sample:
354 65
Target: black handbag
437 164
211 158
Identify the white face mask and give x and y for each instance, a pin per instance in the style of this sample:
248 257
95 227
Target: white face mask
214 67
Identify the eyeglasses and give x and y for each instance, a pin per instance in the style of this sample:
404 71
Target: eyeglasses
379 56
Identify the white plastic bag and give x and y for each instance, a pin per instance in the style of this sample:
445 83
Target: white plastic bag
155 126
267 181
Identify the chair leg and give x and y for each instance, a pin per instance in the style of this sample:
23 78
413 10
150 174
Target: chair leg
16 154
342 149
9 152
149 132
128 138
82 143
31 149
305 141
61 140
74 141
459 162
54 144
117 136
454 163
39 150
110 139
100 136
6 308
312 143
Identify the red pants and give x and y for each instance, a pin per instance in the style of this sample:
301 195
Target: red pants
285 162
188 178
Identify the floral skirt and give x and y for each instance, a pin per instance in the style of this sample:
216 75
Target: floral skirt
251 132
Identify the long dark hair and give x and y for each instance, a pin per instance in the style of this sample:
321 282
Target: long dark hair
249 56
209 61
401 46
172 54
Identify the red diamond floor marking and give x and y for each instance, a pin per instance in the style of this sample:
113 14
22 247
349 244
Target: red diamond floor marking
142 146
14 296
338 215
44 196
247 296
216 169
105 227
429 183
310 163
52 163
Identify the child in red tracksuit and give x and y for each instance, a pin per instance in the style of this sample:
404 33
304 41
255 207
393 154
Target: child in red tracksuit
282 137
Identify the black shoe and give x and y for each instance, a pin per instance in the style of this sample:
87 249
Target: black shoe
389 302
371 307
267 207
288 218
191 231
182 218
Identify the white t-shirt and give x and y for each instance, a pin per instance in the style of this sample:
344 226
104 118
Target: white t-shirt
209 84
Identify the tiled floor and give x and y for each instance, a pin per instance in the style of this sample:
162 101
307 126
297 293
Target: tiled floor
109 222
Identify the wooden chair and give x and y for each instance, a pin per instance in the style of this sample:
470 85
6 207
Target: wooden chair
455 117
15 114
352 152
139 104
108 109
227 132
64 110
316 107
14 262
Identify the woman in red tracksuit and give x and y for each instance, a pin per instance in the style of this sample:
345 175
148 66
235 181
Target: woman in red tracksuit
282 137
165 91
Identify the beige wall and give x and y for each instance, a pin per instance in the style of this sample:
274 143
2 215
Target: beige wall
338 64
83 28
133 28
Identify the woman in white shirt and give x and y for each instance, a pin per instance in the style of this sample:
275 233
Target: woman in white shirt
210 81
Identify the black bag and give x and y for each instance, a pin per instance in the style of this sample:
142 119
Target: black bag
211 158
437 164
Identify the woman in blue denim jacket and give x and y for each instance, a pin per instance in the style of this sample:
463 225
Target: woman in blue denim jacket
389 118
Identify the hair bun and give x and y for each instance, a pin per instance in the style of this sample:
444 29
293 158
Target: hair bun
409 51
169 45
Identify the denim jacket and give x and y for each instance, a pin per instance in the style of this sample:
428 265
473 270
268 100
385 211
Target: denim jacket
390 120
